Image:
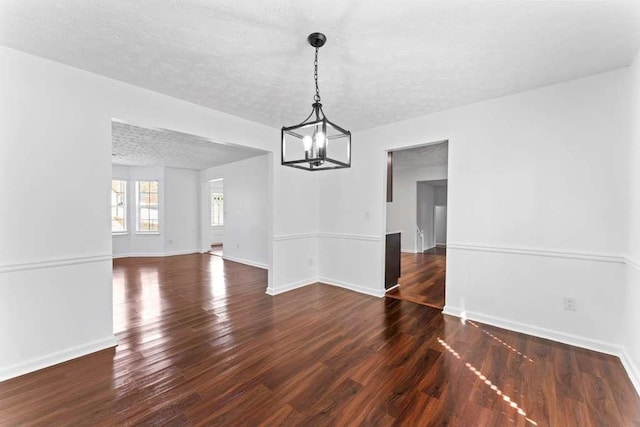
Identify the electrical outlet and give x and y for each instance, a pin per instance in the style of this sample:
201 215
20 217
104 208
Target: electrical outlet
570 304
310 262
237 245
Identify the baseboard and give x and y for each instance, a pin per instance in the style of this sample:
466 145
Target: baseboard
56 358
632 370
536 331
245 261
291 286
156 254
350 286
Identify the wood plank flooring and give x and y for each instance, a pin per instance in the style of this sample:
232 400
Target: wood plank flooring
201 344
422 278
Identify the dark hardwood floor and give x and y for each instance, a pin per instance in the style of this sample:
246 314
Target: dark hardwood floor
201 343
422 278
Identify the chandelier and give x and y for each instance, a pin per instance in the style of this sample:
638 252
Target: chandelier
316 143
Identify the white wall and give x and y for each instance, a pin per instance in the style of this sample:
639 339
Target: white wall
181 211
440 195
631 296
55 292
246 208
524 226
428 197
402 212
440 224
425 203
440 215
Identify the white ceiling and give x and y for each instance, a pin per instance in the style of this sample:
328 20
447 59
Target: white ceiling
138 146
384 61
422 157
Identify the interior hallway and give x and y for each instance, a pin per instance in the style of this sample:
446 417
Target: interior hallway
422 278
201 343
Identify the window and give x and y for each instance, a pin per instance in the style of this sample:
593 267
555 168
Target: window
217 208
147 206
118 206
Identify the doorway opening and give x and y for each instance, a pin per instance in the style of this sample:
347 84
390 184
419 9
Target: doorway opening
418 212
170 192
215 234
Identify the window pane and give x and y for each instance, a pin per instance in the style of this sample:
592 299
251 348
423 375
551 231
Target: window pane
118 206
147 206
217 208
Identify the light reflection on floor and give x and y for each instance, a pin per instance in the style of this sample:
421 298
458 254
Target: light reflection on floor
487 382
217 282
150 298
500 341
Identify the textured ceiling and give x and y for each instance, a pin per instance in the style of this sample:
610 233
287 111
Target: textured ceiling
422 157
384 61
138 146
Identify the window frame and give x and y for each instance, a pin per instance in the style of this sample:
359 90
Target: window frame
213 194
124 206
140 206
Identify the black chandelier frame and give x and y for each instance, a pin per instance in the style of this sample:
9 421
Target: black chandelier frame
315 158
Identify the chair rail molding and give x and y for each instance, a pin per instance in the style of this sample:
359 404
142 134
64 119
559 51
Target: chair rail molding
54 262
345 236
541 252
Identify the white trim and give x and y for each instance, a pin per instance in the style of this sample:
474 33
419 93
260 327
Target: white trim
553 253
57 357
245 261
632 370
536 331
391 288
326 281
346 236
350 286
294 236
632 263
156 254
54 262
350 236
291 286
